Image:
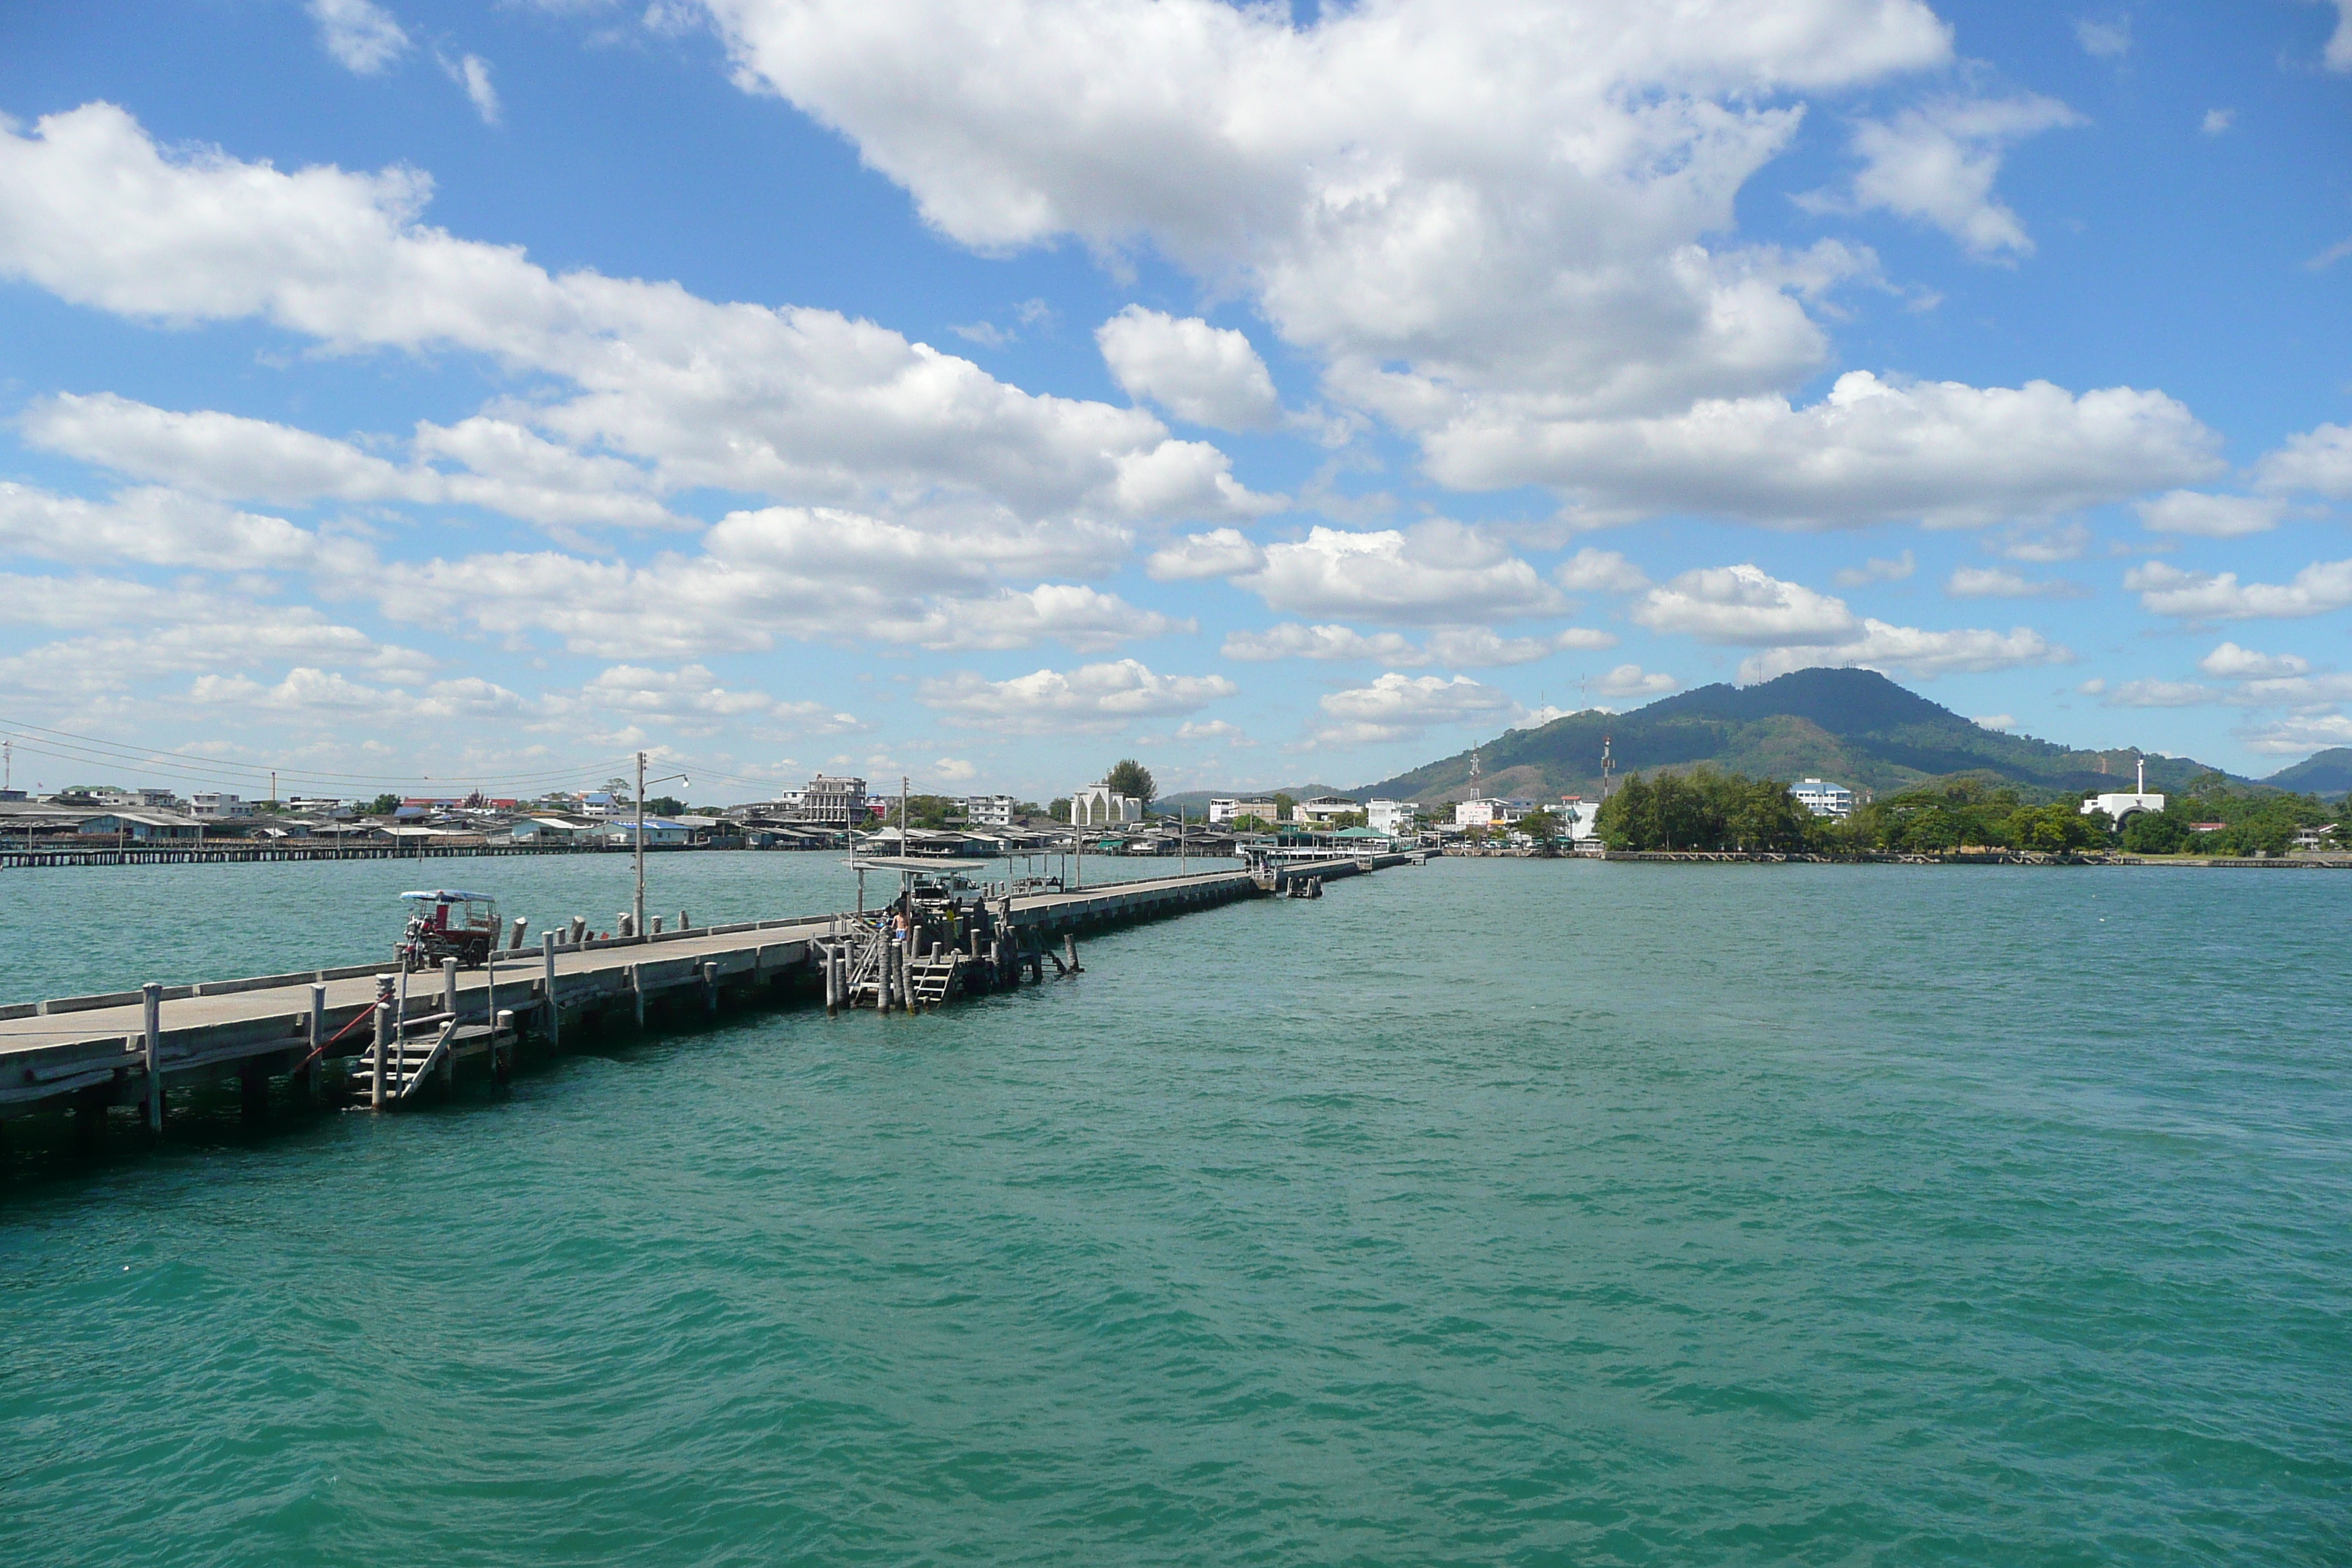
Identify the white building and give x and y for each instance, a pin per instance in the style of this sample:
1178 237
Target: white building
141 799
2119 805
836 802
1226 811
1823 799
1320 811
1490 812
1391 816
988 810
1096 807
1579 817
211 802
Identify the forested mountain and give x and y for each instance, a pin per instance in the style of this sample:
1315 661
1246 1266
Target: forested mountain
2328 772
1852 726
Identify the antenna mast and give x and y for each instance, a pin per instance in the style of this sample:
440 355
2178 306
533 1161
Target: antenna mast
1607 767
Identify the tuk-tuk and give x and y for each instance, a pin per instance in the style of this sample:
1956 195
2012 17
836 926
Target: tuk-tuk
445 924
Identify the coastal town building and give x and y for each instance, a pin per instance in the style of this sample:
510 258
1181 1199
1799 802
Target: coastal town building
1391 816
1823 799
1320 811
1097 806
2120 805
1222 810
988 810
1579 818
1488 811
834 802
213 803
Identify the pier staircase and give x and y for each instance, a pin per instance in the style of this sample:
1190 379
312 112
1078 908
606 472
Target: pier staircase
932 980
409 1058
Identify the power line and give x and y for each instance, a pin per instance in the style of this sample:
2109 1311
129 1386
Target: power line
65 745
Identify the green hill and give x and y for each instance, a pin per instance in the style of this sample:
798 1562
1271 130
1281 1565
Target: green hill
1852 726
2325 772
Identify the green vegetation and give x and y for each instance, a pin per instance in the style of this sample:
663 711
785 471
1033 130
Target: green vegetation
1251 824
1540 825
1966 814
1704 810
383 805
2254 821
1127 776
926 811
664 805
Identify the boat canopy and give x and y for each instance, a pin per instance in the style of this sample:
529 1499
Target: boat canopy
443 896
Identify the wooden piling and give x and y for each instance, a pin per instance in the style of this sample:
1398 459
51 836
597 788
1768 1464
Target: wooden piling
383 1052
151 993
449 986
554 1012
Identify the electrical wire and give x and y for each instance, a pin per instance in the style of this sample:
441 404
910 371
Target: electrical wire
65 745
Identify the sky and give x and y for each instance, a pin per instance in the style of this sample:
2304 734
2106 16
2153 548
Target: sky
433 395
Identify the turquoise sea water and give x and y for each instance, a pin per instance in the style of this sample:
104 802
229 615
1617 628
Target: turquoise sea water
1492 1212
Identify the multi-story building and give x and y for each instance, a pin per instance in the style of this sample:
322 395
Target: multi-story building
141 799
1578 818
1320 811
1490 812
834 802
212 802
988 810
1823 799
1096 807
1226 811
1391 815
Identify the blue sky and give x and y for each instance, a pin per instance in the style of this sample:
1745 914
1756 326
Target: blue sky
394 391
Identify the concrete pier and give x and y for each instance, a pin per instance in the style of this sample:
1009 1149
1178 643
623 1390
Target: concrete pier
132 1047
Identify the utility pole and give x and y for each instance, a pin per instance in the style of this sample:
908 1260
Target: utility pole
637 908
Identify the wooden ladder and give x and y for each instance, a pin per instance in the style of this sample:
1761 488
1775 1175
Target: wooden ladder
932 979
408 1061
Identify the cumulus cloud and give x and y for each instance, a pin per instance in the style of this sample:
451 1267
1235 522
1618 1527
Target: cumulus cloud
1471 647
736 396
2153 693
2317 461
2211 516
472 72
1590 570
953 770
1877 569
2218 121
1434 574
152 526
1209 375
2339 42
2230 662
1399 707
1511 193
1745 604
2107 38
1220 553
2000 583
2165 589
360 34
1872 451
1092 698
1936 163
1633 680
1920 654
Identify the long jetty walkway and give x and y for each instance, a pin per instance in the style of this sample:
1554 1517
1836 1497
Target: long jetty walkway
328 1033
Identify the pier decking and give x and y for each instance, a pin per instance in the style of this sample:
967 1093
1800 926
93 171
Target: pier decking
129 1047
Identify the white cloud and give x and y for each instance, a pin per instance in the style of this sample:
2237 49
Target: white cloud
2218 121
472 72
1398 707
1936 163
1590 570
2106 40
1199 731
1210 375
1745 604
2339 43
2152 693
1092 698
2319 461
1220 553
953 770
2002 722
2000 583
738 396
150 525
1633 680
2210 516
1473 646
2301 734
1877 569
360 34
2165 589
1434 574
1871 451
1911 651
1507 194
2094 686
2230 662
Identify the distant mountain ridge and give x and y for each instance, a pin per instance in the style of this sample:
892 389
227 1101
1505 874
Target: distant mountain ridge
2323 772
1852 726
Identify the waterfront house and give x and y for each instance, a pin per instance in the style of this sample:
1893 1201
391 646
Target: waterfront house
1823 799
142 828
1491 812
1391 816
1320 811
